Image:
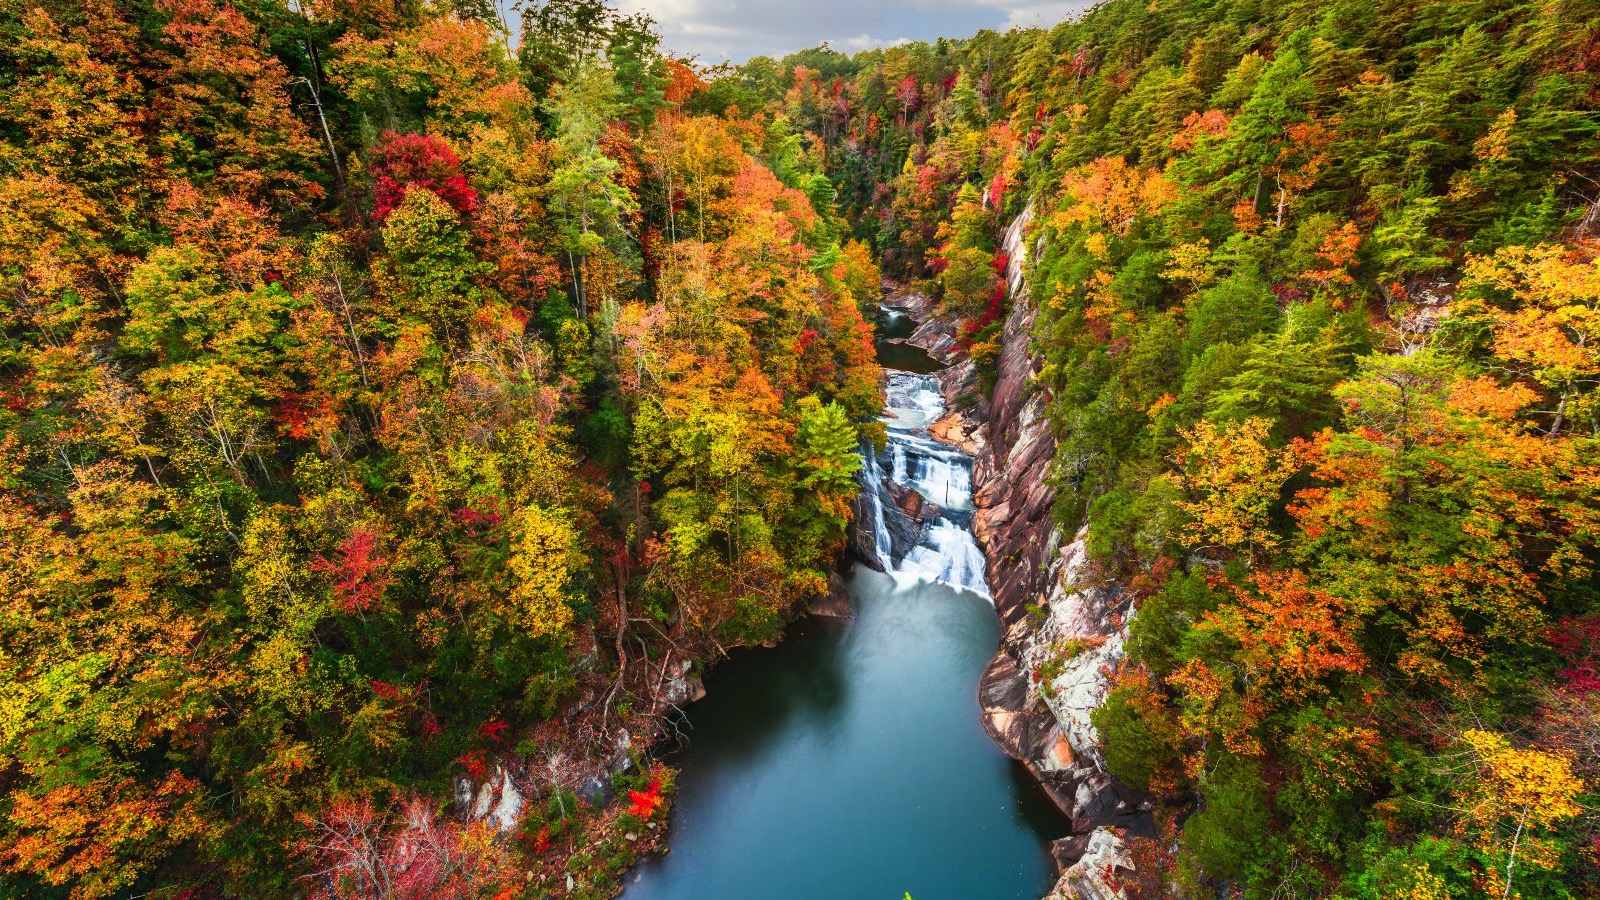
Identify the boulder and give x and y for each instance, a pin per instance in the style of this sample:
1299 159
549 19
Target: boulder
683 688
496 801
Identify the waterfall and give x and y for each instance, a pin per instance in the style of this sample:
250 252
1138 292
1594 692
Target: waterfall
880 530
943 550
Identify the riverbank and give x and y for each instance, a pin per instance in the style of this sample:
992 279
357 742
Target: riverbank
1062 631
959 495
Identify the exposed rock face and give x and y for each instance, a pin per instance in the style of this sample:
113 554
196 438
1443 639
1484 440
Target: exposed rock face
912 503
935 335
835 604
903 511
917 305
1090 877
938 337
1054 628
864 518
496 801
1061 639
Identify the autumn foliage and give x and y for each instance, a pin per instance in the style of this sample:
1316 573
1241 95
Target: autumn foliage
404 162
371 395
1313 329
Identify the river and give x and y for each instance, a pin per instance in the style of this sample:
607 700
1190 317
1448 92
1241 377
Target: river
849 763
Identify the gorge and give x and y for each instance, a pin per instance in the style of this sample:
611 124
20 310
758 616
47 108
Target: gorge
412 420
850 761
867 731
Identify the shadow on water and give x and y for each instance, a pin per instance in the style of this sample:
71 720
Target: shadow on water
751 702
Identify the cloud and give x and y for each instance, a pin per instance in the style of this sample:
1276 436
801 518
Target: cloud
735 30
867 42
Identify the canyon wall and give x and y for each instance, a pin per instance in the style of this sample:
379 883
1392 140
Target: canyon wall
1061 639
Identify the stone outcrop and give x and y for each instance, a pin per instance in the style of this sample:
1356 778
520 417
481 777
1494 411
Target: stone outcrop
684 687
938 338
497 800
835 604
1092 876
915 304
1061 638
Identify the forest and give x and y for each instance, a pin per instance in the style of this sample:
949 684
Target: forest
392 393
381 404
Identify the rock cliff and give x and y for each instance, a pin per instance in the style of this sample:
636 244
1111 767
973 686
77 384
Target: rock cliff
1061 639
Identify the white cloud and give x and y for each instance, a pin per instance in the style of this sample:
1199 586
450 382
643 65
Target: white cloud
736 30
867 42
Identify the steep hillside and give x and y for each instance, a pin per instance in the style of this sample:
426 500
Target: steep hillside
393 427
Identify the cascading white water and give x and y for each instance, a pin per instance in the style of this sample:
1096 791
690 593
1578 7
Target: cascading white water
945 550
880 535
937 472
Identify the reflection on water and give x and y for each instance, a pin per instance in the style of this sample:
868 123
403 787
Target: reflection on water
849 763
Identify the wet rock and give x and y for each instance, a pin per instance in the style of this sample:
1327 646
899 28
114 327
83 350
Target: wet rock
904 531
864 530
835 604
919 306
880 496
911 502
1004 685
683 688
938 338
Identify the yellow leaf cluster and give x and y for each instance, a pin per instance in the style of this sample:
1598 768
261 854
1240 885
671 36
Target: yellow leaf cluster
544 554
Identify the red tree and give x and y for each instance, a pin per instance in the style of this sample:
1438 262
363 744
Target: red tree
405 161
360 574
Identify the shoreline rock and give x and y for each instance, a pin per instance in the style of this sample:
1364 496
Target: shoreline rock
835 604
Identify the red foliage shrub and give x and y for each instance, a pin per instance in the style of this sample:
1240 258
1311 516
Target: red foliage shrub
997 190
356 851
644 803
476 763
405 161
1578 642
360 574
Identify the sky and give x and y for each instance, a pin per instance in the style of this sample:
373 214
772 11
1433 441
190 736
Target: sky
735 30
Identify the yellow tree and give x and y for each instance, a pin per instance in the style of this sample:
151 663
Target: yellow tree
1514 801
1550 329
545 551
1232 479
